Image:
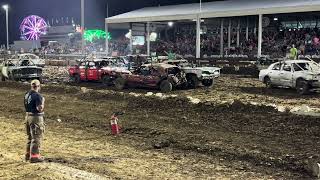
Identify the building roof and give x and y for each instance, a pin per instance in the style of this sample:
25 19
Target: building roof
227 8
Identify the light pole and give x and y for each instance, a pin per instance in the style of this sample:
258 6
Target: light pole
82 27
6 8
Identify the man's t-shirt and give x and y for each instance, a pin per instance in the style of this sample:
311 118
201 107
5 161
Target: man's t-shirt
293 53
32 100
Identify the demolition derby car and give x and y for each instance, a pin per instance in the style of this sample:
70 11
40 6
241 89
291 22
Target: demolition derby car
36 60
196 75
302 75
165 77
103 70
20 70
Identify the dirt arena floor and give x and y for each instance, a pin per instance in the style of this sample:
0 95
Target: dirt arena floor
229 134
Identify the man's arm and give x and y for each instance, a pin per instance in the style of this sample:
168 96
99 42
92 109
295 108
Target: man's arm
40 105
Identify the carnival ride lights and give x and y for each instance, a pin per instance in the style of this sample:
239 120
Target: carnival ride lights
32 27
95 34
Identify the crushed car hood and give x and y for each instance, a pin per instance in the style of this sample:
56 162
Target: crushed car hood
209 69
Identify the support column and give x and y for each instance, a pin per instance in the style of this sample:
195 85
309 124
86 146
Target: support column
148 38
221 38
247 29
82 26
238 34
260 36
7 26
255 28
131 40
229 34
198 40
107 40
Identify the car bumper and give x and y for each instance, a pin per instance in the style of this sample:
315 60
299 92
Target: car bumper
29 76
315 84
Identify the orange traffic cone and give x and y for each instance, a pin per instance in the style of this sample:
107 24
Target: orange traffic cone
115 130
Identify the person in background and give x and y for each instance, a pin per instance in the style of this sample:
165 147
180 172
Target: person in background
293 52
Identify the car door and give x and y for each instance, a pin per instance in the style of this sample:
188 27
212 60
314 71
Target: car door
92 71
152 79
275 73
82 69
5 69
286 74
137 78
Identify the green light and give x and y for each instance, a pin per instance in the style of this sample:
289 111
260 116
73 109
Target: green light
95 34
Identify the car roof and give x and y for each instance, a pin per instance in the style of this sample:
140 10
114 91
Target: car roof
177 60
27 54
297 61
162 65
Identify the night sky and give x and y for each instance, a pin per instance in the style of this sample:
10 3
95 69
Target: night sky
95 11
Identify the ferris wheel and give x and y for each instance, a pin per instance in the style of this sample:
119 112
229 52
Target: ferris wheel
32 27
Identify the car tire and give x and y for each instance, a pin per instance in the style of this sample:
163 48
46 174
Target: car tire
120 83
2 78
106 80
10 77
76 78
193 81
166 86
267 82
302 87
207 82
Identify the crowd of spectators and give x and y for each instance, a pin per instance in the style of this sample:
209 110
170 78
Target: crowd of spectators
276 43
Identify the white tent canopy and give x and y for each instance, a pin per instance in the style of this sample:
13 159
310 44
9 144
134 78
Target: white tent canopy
216 9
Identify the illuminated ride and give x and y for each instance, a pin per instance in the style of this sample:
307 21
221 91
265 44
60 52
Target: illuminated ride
32 27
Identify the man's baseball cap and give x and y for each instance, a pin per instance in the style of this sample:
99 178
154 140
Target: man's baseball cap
35 82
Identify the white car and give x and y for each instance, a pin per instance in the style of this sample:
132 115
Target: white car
194 74
32 57
302 75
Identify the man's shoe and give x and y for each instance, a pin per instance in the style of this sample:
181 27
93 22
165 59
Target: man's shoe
37 160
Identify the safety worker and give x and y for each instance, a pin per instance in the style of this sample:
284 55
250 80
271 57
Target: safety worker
293 52
34 105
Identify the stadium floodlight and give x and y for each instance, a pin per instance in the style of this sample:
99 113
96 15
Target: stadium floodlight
275 19
5 7
170 23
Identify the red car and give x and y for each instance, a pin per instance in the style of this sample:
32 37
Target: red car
100 70
161 76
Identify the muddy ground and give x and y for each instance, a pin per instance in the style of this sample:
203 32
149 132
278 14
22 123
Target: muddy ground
222 137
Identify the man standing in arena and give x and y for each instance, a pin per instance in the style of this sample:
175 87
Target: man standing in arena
34 105
293 52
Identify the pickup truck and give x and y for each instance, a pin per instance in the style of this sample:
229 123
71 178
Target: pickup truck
101 70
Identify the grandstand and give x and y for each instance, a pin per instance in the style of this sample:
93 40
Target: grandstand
224 28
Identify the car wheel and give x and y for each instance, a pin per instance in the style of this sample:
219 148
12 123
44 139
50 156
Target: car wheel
41 80
268 83
193 81
165 86
106 80
120 83
207 82
10 77
2 78
302 87
76 78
